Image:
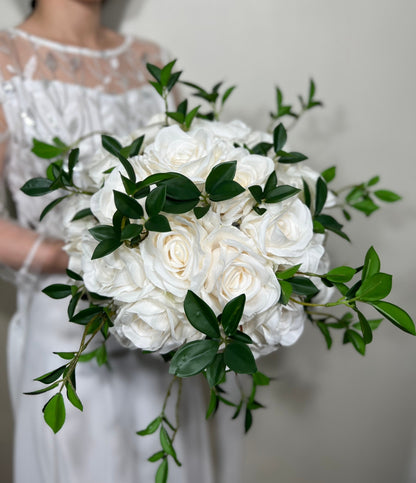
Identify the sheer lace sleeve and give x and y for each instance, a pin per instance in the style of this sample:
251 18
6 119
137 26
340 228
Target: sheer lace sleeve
22 275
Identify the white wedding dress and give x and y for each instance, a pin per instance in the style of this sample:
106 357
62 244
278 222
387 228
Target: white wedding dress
49 89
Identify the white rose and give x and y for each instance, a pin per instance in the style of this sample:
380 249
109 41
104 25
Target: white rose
325 293
74 230
192 154
281 325
283 231
89 172
251 170
175 261
311 256
119 275
235 131
237 268
155 322
102 202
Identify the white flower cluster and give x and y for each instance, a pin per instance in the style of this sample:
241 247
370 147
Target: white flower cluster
229 251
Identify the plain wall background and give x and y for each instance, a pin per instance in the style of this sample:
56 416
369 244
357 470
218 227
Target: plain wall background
331 416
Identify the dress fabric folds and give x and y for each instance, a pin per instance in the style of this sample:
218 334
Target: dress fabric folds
49 89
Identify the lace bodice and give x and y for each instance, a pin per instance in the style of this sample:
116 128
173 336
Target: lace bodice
49 89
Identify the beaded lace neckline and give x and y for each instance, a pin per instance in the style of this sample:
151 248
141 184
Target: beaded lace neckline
114 51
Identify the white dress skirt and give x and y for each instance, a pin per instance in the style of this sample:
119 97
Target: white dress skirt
48 89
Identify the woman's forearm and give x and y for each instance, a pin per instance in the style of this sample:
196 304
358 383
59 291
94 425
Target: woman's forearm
16 243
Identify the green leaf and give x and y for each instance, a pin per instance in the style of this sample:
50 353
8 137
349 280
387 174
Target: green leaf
306 193
127 205
155 71
373 181
270 184
167 445
51 376
303 286
179 117
260 379
158 87
200 315
73 275
86 315
201 211
54 412
43 390
73 304
371 264
213 404
340 274
291 158
131 231
73 397
215 372
256 192
73 159
58 291
156 456
102 232
227 94
346 215
180 187
193 357
329 174
173 80
155 200
356 340
367 206
259 211
286 291
365 327
158 223
46 151
51 205
232 314
325 331
331 224
82 214
219 173
242 337
37 187
375 288
248 420
162 472
133 149
166 72
374 324
396 316
105 247
65 355
178 207
191 116
226 190
239 358
279 137
261 148
281 193
151 428
111 145
321 195
101 353
387 196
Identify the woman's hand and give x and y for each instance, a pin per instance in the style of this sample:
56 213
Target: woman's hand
16 243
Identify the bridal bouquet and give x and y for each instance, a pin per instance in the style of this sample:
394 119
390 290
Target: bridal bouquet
204 242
